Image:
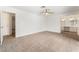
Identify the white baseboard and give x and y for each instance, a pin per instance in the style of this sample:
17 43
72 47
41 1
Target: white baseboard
55 31
28 34
34 33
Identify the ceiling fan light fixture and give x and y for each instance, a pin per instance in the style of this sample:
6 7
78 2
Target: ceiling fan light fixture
46 11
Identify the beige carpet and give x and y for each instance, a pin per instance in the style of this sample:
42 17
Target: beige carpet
40 42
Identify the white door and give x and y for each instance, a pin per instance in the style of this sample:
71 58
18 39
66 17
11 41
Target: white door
1 28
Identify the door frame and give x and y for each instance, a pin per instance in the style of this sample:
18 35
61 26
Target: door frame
1 30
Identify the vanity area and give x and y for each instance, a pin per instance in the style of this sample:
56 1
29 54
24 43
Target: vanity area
70 26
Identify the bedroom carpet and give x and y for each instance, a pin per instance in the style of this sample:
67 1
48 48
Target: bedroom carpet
40 42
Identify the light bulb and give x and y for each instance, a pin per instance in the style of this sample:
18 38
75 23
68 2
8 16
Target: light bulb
46 13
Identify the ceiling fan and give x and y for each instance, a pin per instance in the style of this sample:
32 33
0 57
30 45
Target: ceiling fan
46 11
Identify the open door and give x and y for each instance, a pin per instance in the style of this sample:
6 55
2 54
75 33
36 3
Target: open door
7 25
1 28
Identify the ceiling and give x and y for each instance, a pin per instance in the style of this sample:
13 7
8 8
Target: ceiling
55 9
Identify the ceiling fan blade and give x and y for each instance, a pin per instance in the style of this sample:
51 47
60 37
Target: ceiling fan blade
43 6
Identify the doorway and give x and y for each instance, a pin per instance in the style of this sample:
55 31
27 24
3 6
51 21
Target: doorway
8 25
69 27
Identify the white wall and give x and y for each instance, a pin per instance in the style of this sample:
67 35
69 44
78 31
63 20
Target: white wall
28 23
54 23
